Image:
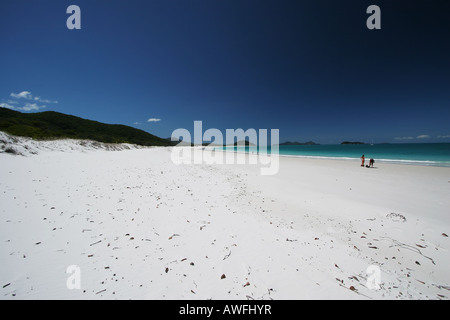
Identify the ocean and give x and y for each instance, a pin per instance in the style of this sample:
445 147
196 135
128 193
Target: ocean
431 154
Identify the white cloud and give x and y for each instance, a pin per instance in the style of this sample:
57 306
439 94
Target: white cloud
153 120
27 107
422 136
44 100
6 105
28 96
31 107
22 95
404 138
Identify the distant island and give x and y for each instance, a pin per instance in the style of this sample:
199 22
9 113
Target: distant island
295 143
54 125
352 142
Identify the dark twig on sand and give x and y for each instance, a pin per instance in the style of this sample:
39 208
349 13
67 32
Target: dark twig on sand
396 243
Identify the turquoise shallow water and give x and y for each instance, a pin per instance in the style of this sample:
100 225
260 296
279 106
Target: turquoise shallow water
435 154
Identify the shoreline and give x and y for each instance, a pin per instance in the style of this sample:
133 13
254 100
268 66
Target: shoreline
426 163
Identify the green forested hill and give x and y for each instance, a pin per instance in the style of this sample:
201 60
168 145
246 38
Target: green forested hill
55 125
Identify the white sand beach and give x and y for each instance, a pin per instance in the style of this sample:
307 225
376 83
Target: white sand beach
140 227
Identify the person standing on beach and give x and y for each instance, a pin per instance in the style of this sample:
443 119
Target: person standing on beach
371 162
363 159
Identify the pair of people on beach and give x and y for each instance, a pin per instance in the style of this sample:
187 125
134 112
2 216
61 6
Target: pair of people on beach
363 160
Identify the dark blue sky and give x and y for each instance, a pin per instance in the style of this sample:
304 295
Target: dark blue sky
309 68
